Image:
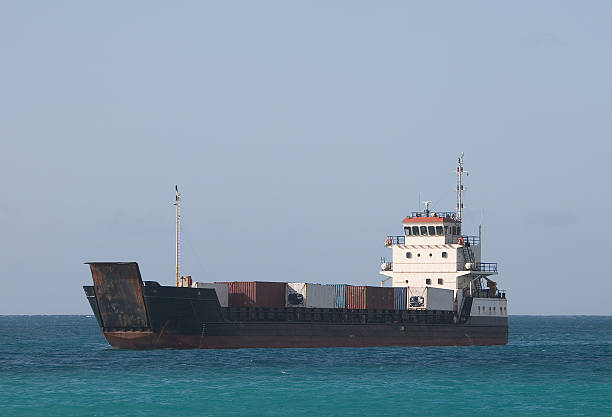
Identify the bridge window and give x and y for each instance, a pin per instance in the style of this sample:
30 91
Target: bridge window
407 231
440 281
454 230
439 230
444 254
408 255
432 230
458 230
428 281
423 230
415 230
445 230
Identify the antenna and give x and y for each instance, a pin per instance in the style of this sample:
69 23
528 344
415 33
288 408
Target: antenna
460 187
427 203
178 233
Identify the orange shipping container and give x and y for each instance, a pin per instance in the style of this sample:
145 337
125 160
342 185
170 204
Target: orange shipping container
256 293
361 297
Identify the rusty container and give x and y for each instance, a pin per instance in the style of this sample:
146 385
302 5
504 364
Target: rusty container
362 297
256 293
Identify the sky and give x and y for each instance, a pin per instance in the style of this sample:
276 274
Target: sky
300 135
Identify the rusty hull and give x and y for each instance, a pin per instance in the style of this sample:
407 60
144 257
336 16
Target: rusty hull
118 293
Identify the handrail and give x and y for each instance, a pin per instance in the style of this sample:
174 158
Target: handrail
396 240
487 266
472 240
483 293
401 239
445 214
481 267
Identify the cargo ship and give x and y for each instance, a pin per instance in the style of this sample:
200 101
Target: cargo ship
441 294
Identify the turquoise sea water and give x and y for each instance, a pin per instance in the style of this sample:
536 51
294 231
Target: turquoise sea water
61 365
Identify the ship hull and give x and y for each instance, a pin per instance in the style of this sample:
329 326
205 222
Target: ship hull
298 335
137 315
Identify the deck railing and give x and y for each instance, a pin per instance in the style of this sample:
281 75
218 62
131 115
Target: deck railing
471 240
446 214
486 267
395 240
482 267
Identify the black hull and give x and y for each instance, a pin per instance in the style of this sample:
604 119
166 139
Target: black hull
136 316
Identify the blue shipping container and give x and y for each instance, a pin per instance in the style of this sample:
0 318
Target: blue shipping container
400 295
339 295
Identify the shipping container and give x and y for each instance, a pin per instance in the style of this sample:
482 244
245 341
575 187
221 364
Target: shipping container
220 289
302 294
339 295
400 298
430 298
359 297
256 293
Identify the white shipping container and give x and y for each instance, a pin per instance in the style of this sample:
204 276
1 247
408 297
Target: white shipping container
220 289
302 294
440 299
430 298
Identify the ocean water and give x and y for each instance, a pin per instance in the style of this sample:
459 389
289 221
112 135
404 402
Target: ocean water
61 365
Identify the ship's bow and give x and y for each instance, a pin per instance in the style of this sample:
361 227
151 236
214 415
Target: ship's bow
117 300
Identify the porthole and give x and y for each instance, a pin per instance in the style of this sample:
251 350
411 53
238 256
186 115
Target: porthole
444 254
440 281
408 255
430 255
418 255
428 281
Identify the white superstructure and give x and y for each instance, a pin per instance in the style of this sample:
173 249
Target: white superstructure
434 252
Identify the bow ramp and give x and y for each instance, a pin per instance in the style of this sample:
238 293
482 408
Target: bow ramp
116 295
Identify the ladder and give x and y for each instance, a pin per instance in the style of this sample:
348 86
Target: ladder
466 309
468 255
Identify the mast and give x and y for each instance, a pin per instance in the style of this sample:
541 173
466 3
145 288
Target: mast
178 233
460 188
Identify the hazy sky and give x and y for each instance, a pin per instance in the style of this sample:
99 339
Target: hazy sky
301 133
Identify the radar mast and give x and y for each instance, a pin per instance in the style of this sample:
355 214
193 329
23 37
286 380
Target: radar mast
177 202
460 187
